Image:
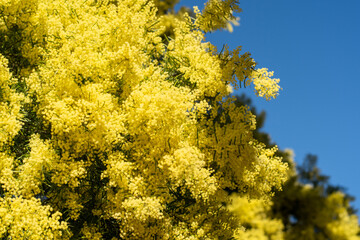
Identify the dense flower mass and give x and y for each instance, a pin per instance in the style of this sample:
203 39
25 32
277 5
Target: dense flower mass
116 122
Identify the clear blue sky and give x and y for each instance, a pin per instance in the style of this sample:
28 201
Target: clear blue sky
314 48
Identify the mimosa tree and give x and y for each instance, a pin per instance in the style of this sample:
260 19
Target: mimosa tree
115 123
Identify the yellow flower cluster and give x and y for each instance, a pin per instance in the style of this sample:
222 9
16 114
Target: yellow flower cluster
22 218
10 105
255 215
188 53
218 14
28 219
344 225
124 130
265 86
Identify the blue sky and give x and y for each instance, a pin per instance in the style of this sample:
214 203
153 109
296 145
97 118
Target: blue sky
314 48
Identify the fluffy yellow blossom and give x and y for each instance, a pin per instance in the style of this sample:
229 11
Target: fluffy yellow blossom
254 215
10 105
265 86
28 219
217 14
32 170
116 122
344 225
187 171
